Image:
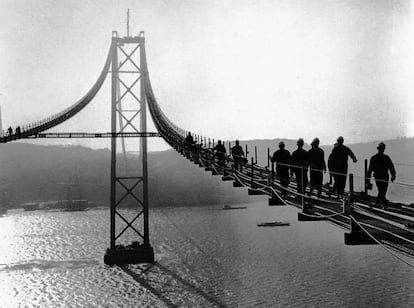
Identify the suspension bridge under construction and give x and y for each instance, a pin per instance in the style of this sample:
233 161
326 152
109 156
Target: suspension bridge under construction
132 94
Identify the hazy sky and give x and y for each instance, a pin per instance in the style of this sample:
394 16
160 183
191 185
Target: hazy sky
225 69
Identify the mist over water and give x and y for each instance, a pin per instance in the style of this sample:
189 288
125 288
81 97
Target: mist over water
234 69
205 257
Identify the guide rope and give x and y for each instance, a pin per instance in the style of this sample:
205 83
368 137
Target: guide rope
379 243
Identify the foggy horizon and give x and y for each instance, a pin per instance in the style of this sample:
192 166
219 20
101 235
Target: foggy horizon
232 70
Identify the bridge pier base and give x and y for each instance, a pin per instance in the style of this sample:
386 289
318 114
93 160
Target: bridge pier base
357 236
254 192
131 254
227 177
237 184
307 215
275 201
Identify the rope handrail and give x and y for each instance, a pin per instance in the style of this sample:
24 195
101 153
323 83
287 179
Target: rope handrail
404 164
388 232
379 242
345 174
396 225
367 208
322 216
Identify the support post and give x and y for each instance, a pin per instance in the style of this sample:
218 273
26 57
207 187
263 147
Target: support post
302 172
273 170
224 164
351 188
306 214
251 174
268 157
255 154
365 177
253 189
346 207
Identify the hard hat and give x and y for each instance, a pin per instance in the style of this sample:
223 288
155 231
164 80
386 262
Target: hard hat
315 140
381 145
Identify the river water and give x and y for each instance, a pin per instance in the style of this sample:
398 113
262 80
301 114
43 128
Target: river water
205 257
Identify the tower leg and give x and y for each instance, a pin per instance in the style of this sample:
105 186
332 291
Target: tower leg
130 188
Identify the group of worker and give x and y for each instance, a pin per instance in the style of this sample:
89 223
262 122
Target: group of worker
220 151
10 130
300 161
236 151
381 166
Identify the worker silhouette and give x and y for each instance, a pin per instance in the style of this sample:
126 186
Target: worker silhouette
220 151
381 165
300 166
238 156
282 159
338 164
189 142
331 181
316 162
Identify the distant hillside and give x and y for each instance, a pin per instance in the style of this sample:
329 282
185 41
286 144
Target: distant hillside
42 173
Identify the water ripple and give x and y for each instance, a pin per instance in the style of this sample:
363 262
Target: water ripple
205 258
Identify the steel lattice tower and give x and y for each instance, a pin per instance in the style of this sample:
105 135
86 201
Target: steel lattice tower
130 187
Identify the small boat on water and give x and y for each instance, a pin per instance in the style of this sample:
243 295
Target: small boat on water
65 205
273 224
31 206
228 207
76 205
